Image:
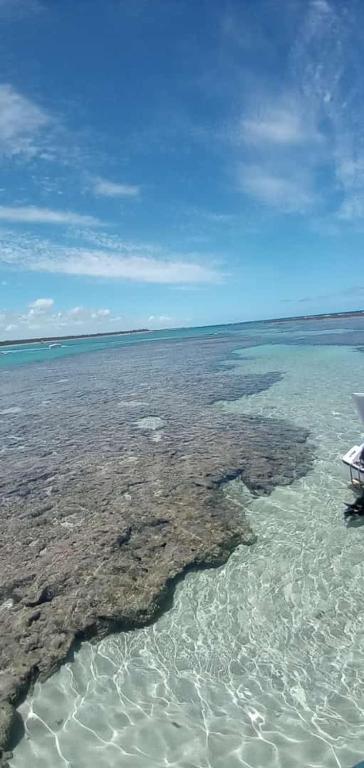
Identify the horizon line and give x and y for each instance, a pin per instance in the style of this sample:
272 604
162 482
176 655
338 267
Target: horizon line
40 339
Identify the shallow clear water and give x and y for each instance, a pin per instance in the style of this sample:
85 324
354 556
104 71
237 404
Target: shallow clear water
37 352
259 663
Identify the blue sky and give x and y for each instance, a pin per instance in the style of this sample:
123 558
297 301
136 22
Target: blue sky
178 163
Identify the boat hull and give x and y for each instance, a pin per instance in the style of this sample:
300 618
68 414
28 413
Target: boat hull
356 467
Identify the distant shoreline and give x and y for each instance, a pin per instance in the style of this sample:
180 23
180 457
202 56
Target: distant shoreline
46 339
322 316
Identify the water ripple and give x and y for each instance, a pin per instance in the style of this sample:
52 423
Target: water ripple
260 663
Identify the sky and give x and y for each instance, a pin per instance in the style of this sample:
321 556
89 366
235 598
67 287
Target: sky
178 163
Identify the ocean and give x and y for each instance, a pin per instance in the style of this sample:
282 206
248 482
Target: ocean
259 662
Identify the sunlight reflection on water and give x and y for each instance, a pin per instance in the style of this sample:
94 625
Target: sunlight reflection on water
260 663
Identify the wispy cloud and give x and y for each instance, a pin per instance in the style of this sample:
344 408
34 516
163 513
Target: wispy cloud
21 123
287 194
32 215
284 147
303 135
105 188
326 61
135 268
120 263
278 125
30 131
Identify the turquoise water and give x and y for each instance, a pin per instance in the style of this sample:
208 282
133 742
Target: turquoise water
258 663
35 352
20 354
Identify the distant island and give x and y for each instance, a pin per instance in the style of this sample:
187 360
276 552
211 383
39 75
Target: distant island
45 339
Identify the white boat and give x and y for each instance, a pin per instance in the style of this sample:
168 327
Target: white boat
354 458
54 344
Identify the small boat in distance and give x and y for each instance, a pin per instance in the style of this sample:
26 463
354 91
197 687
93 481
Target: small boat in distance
55 344
354 458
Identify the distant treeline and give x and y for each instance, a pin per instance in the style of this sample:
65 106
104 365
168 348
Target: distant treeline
46 339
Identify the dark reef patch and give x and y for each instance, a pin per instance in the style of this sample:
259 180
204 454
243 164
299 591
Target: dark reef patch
100 518
247 384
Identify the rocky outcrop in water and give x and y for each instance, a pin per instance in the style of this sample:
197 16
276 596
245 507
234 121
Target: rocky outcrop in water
112 486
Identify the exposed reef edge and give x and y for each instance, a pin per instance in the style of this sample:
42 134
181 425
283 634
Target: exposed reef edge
10 721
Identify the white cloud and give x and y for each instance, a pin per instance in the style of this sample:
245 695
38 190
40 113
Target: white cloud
277 126
77 312
32 215
40 321
82 314
123 261
105 188
41 305
21 122
136 268
101 313
162 319
287 194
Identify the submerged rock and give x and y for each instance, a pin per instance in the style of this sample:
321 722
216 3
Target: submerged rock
8 723
7 716
98 520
